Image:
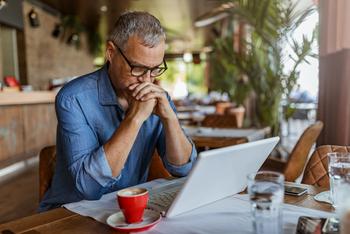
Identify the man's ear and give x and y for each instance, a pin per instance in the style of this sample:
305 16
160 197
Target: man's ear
110 51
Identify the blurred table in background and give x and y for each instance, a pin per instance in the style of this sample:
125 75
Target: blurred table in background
193 115
221 137
209 109
222 114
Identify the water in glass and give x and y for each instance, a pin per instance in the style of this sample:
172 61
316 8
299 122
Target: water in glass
266 197
339 170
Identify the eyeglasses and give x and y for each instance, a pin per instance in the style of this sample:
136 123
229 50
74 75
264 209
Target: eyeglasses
137 70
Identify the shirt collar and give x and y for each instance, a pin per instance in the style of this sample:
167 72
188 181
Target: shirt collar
106 93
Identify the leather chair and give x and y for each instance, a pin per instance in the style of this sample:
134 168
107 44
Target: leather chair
297 159
220 121
316 170
299 155
47 161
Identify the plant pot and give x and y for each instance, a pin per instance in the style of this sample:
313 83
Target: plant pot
238 112
222 106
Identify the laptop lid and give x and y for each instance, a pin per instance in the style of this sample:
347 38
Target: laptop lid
220 173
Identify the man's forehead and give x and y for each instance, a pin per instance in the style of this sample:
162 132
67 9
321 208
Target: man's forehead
137 52
135 40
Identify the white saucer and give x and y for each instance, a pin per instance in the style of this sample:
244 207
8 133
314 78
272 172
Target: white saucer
323 197
149 219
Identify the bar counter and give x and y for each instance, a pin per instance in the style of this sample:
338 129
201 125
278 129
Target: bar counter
21 98
27 124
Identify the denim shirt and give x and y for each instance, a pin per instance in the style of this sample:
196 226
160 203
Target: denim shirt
88 114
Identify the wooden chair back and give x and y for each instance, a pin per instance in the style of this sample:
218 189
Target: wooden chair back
299 155
220 121
316 170
157 169
47 163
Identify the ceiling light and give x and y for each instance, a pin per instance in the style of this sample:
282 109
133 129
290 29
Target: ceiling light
3 3
103 8
187 57
57 30
73 39
196 58
33 18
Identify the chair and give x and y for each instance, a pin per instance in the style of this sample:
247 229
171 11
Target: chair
316 170
299 155
47 161
220 121
157 169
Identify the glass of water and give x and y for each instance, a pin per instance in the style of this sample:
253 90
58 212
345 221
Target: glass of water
339 171
266 192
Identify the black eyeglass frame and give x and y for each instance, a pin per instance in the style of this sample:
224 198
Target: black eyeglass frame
144 67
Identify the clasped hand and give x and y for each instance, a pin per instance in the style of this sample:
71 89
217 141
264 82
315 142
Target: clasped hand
151 98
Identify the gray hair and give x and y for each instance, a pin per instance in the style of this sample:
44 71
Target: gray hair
142 24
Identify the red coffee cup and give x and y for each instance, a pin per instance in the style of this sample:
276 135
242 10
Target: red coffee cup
132 202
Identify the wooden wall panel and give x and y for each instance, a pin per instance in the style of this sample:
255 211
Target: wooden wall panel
25 130
48 57
39 127
11 132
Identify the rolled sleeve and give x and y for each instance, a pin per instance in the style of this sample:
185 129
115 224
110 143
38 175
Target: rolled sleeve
97 167
184 169
79 150
92 174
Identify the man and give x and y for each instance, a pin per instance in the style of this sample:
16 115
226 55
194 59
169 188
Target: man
111 121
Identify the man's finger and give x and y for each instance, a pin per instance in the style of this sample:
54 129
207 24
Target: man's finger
138 88
149 96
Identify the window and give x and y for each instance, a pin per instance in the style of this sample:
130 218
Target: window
8 53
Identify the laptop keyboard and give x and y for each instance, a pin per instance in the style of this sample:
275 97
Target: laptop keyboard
161 198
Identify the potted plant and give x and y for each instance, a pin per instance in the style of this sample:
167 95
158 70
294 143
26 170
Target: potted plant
269 25
226 78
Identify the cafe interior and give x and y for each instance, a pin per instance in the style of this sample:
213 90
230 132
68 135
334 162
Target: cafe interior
239 72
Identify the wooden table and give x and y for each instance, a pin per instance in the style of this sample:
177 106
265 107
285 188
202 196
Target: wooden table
63 221
217 142
221 137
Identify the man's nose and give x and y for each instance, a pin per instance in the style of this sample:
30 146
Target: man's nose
146 77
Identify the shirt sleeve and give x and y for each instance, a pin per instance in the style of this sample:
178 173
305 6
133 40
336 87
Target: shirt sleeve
175 170
79 149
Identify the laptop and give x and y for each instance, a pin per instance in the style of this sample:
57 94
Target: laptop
217 174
